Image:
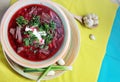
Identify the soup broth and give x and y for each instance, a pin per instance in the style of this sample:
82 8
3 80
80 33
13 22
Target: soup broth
36 32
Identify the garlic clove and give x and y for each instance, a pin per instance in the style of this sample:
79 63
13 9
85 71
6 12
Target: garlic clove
89 23
61 62
89 16
51 73
92 37
96 22
94 16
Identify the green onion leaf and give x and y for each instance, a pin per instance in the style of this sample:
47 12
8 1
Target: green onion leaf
44 73
42 46
53 68
34 70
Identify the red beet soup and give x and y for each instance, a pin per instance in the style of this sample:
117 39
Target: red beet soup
35 32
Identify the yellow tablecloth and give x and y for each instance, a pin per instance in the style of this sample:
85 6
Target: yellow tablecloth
87 66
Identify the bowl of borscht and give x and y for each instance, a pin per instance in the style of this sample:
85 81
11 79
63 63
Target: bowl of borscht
35 33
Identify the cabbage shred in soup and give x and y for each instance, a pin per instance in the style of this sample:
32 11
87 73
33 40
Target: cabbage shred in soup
36 32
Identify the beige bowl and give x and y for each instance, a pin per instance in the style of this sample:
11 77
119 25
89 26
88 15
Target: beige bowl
18 59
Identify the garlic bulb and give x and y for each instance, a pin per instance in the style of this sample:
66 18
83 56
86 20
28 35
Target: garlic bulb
90 20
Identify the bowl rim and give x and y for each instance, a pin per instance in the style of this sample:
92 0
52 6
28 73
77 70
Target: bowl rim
28 63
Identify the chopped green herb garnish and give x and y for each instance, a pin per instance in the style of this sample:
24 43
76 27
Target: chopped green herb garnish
31 48
48 30
43 37
32 38
48 38
29 32
47 41
35 21
46 26
52 24
46 47
36 45
31 41
42 46
41 28
25 32
21 21
26 40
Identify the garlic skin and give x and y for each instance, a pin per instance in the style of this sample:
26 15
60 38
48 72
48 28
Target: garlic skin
51 73
91 20
61 62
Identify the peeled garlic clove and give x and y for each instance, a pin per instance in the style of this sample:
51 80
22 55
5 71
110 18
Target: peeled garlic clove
50 73
92 37
61 62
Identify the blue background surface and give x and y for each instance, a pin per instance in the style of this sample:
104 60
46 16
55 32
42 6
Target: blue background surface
110 69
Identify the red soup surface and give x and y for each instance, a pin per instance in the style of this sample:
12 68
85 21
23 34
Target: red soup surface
36 32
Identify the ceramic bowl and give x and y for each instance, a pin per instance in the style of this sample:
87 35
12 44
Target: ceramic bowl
18 59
